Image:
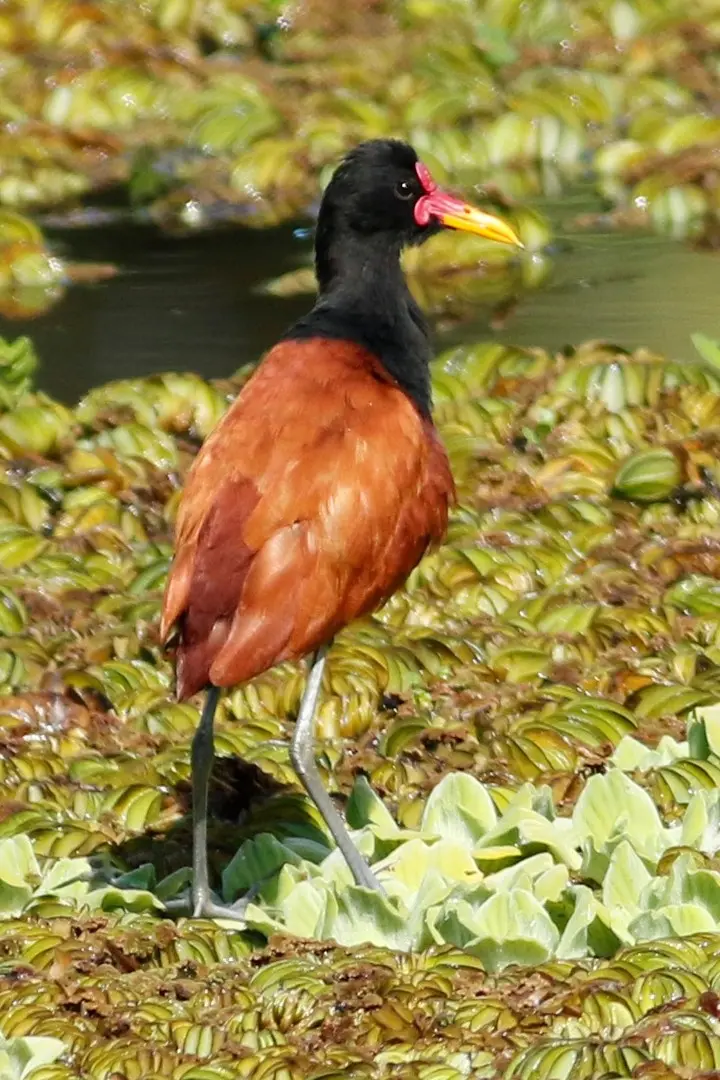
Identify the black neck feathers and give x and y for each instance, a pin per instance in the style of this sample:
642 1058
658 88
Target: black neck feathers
364 298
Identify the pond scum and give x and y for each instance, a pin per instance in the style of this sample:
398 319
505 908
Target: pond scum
526 740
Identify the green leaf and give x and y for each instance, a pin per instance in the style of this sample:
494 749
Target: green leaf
255 860
574 941
363 916
631 754
13 900
495 43
648 476
111 898
686 884
308 850
173 884
699 595
364 807
675 920
701 822
698 745
625 880
142 877
21 1056
709 717
509 928
458 809
708 349
18 865
65 877
703 887
532 832
612 808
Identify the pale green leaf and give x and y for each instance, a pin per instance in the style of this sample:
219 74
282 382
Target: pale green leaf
409 864
526 870
65 877
528 829
675 920
625 880
364 807
709 716
22 1055
631 754
701 822
589 930
364 916
18 865
550 885
305 909
458 809
612 807
110 898
574 941
13 900
509 928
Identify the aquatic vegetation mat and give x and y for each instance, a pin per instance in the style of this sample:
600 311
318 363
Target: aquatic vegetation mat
526 741
192 114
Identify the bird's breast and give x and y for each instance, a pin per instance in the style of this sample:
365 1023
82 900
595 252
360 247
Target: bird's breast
309 504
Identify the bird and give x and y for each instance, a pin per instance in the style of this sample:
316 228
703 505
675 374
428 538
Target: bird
324 483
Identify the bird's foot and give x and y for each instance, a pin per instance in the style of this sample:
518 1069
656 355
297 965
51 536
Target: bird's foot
360 869
201 905
206 908
365 877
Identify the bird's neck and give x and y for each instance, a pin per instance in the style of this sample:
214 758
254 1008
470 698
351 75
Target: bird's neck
364 298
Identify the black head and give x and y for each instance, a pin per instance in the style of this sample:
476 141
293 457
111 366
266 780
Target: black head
381 199
375 191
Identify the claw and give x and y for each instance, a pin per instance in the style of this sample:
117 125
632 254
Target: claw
200 906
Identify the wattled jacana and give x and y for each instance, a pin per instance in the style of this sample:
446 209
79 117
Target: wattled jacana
324 484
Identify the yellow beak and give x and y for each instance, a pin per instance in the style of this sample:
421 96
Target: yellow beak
455 214
470 219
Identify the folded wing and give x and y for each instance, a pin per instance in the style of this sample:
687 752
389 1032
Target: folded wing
308 506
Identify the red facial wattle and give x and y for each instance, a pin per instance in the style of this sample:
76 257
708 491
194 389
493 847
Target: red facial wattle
456 214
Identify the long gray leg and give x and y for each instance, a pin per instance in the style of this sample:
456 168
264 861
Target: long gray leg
201 758
202 905
302 755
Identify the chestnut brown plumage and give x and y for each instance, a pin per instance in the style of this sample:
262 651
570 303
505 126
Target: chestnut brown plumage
325 482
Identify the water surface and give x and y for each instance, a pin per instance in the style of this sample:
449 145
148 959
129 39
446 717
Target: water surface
189 303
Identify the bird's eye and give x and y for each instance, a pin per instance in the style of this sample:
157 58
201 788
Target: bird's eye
404 189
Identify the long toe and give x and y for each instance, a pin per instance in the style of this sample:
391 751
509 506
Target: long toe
206 908
210 910
368 880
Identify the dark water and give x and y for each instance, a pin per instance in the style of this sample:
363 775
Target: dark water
177 304
189 304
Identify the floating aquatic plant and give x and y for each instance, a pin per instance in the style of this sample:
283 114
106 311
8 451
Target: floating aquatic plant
526 736
206 113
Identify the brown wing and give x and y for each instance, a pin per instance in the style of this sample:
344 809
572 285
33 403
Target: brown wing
308 505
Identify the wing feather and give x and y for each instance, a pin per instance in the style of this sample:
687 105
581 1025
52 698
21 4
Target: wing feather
312 499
